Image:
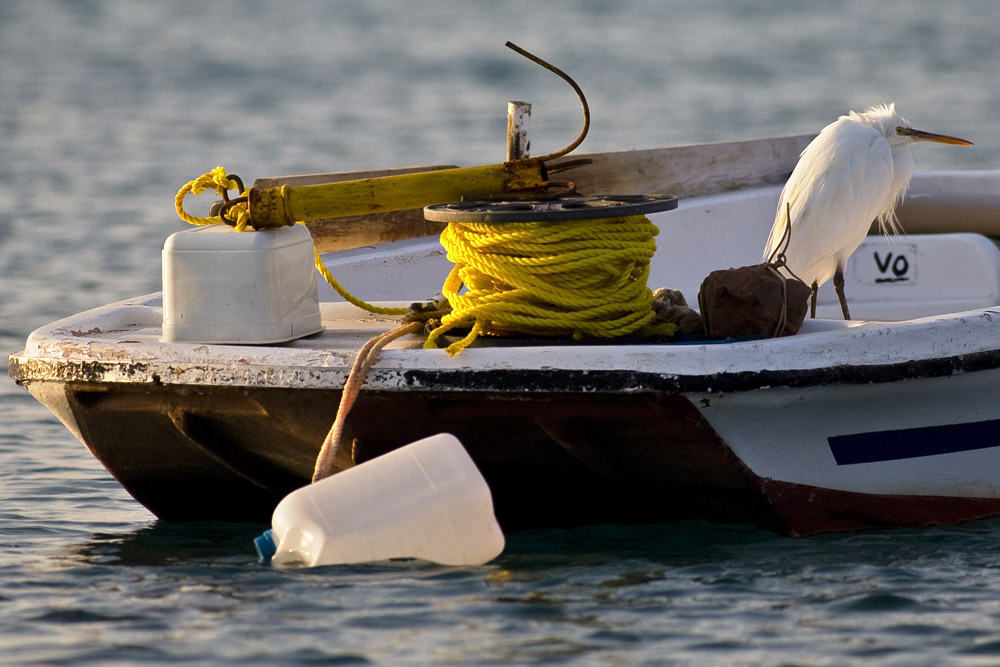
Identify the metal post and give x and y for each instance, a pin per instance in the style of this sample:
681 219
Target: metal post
518 125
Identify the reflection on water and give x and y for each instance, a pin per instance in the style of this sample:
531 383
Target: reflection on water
164 543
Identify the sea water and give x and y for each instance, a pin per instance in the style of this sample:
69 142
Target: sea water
108 107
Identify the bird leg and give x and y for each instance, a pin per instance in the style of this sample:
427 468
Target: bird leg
812 300
838 284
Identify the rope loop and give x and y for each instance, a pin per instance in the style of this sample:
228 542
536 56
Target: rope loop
237 211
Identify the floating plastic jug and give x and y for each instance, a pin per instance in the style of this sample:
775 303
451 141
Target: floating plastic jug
426 500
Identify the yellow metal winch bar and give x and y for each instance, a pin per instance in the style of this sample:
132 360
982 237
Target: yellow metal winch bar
280 205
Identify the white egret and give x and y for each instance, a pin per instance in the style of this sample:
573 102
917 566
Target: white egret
854 172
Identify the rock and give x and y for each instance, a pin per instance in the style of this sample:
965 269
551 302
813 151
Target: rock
671 306
748 301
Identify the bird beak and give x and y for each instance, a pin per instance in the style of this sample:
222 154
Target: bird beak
920 135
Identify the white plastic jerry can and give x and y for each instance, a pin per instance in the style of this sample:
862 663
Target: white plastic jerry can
224 286
426 500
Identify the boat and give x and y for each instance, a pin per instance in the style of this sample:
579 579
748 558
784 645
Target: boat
887 420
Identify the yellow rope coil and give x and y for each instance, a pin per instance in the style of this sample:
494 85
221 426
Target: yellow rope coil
553 278
221 183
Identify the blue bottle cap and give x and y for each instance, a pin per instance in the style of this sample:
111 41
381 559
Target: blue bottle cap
265 546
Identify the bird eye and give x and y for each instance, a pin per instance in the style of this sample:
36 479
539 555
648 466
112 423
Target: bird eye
900 130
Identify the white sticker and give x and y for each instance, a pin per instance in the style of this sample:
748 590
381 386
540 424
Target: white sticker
886 264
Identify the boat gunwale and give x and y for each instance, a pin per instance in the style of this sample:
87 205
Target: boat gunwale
25 370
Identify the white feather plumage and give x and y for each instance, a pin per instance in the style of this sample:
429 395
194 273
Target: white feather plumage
854 172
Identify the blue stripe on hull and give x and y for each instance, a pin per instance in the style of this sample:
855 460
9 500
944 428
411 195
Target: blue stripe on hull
912 443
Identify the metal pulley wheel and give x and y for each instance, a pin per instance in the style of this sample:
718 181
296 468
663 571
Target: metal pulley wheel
567 208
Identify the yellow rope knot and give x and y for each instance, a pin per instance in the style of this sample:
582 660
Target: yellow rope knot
581 278
221 183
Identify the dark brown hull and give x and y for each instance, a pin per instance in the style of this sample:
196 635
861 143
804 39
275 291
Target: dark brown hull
551 458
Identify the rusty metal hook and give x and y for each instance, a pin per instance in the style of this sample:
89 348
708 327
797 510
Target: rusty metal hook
579 93
221 207
228 204
239 185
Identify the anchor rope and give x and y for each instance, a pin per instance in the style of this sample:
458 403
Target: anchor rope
365 359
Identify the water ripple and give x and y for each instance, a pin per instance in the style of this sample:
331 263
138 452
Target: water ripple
105 110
